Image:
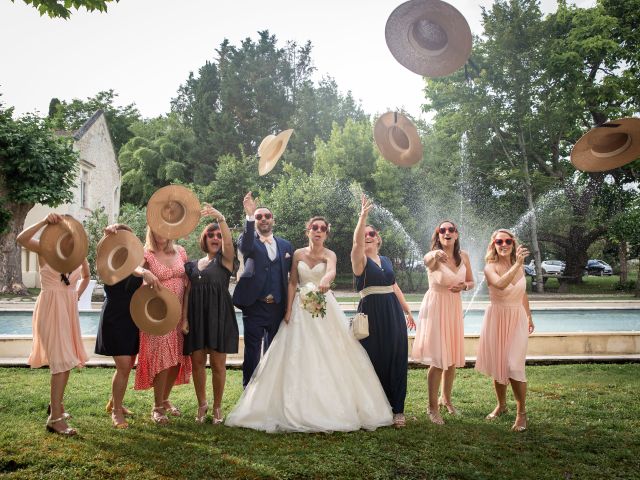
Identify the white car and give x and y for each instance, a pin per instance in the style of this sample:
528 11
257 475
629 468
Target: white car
551 267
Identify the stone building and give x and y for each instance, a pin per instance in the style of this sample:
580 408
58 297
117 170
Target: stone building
97 185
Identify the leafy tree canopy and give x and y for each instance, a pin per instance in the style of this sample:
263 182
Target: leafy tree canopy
62 8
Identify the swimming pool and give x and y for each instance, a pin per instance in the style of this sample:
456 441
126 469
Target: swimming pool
17 322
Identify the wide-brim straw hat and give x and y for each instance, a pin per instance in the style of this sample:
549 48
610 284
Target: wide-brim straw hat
173 211
397 139
117 256
429 37
271 149
154 311
608 146
61 255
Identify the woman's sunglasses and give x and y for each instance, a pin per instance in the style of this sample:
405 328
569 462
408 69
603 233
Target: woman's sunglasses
500 241
444 230
315 227
371 233
259 216
217 235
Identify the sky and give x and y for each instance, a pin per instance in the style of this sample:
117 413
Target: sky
145 49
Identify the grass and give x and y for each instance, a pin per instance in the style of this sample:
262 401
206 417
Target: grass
584 423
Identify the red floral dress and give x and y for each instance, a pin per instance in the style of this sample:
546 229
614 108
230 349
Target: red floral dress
159 352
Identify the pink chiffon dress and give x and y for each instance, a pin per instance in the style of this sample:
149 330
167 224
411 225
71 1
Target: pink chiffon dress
57 340
160 352
439 337
502 348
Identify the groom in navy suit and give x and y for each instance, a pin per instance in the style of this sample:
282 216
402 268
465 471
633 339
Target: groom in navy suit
261 292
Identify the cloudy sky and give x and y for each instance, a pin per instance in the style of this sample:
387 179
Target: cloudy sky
144 49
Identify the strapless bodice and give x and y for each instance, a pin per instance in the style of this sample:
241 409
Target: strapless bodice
306 274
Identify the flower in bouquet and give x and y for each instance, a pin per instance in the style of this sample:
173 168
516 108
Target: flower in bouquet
312 300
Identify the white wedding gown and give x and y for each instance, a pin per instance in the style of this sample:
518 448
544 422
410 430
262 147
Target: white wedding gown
315 377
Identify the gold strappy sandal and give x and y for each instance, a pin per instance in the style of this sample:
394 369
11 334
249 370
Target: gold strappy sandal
67 432
520 428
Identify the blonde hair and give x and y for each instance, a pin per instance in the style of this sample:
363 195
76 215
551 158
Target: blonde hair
492 254
151 246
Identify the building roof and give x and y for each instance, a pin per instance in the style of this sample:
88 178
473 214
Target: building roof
87 125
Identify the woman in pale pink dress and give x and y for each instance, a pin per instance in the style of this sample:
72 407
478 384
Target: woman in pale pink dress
161 363
507 324
57 340
439 338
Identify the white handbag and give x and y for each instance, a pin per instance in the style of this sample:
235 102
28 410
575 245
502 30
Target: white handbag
360 326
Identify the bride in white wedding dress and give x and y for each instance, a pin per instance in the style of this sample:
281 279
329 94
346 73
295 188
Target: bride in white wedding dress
315 377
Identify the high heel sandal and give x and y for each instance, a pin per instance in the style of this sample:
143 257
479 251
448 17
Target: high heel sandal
159 416
119 423
435 417
449 406
520 428
202 415
67 432
399 420
497 412
217 416
171 409
65 415
109 408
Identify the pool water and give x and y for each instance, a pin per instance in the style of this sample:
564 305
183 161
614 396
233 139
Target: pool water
14 322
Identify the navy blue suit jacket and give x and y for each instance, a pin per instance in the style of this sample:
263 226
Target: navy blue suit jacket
256 261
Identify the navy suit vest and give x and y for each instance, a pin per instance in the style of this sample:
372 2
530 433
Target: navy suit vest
273 280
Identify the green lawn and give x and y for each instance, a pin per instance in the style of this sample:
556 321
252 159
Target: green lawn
584 423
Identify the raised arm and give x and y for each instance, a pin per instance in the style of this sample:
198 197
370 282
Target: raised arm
293 284
502 281
247 240
25 238
434 258
358 258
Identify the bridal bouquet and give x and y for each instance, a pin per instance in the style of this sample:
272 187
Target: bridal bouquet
312 300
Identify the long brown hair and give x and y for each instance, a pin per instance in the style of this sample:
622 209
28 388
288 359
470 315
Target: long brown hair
492 254
436 245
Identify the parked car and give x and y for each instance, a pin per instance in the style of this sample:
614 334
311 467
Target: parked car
550 267
598 267
529 270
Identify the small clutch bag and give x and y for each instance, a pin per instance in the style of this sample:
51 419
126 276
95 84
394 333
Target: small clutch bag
360 326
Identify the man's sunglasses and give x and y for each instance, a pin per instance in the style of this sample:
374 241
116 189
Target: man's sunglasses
500 241
267 216
315 227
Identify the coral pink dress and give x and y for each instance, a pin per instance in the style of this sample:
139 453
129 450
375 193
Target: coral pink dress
440 332
57 340
159 352
502 348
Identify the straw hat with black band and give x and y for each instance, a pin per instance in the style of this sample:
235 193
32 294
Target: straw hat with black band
173 211
397 139
117 256
154 311
64 245
608 146
429 37
271 149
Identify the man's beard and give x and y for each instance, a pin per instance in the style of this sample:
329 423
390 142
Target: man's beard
265 230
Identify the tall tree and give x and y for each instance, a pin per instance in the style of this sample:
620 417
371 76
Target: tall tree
35 167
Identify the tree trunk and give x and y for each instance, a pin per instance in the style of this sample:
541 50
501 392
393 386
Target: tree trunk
535 245
11 264
622 256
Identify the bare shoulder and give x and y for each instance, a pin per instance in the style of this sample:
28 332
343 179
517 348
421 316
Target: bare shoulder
330 254
299 253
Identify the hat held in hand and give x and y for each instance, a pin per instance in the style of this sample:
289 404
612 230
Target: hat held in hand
117 256
154 311
64 245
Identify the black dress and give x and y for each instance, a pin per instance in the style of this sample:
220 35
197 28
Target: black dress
117 334
212 318
387 341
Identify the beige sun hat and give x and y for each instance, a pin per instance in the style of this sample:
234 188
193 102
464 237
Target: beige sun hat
117 256
64 256
608 146
397 139
270 150
155 312
429 37
173 211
